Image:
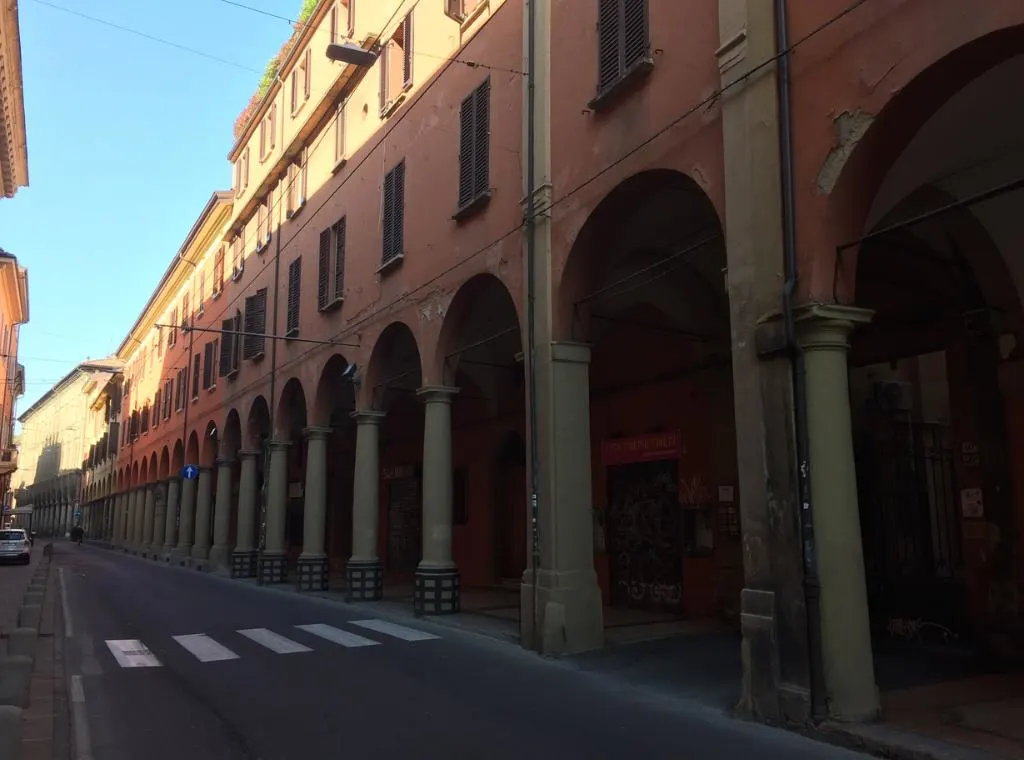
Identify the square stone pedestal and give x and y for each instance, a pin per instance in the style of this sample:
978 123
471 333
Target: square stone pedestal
243 564
364 581
271 569
436 592
312 573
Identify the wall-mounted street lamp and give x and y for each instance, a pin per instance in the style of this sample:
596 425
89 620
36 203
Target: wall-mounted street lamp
350 53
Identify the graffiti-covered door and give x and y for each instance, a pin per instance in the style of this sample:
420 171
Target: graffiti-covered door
645 559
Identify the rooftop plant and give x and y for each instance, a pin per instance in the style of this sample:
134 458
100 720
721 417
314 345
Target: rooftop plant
272 68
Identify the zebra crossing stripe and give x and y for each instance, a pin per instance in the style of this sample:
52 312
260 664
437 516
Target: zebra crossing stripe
132 653
275 642
338 636
204 648
396 631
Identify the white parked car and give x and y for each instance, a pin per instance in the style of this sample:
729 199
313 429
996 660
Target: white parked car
15 546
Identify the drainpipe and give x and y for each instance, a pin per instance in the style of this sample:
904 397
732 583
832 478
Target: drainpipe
531 319
273 358
812 584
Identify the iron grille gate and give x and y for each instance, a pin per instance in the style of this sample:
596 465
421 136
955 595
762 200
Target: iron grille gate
910 526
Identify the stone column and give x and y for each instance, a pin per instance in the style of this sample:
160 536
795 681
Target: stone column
171 517
140 520
273 562
201 548
156 544
130 510
847 661
116 536
569 613
313 560
436 590
220 552
185 524
364 573
148 518
243 558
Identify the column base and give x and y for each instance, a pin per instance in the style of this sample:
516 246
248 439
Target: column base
436 591
180 554
312 573
200 552
272 569
243 564
166 552
569 612
364 581
220 556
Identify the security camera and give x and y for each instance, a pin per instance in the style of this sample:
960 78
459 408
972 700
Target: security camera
213 434
350 371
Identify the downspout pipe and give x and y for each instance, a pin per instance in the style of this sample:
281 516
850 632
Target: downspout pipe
531 318
812 584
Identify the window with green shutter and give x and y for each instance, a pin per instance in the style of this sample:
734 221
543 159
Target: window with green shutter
394 214
294 294
474 150
623 45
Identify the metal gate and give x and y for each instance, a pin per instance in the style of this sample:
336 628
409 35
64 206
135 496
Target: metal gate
910 526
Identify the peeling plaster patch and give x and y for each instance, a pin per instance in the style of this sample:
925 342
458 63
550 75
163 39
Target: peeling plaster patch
850 130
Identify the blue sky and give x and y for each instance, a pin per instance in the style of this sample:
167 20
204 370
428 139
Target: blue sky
127 139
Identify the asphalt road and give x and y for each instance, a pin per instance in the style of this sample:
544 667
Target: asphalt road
346 687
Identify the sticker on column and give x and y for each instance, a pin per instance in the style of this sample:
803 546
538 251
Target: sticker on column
972 503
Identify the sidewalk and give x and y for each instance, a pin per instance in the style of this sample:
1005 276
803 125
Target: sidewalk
42 735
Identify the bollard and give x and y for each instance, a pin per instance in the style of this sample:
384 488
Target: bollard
22 642
10 732
15 679
32 599
29 616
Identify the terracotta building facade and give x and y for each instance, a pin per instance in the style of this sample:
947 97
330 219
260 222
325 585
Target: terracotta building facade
707 309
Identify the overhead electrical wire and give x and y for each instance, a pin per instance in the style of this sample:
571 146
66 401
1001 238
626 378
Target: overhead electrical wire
391 125
147 36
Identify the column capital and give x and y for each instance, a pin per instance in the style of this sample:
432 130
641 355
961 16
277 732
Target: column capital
248 453
278 445
437 394
315 432
224 461
367 416
573 353
827 326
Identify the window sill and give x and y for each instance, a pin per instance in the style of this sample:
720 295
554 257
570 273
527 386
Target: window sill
215 295
630 78
236 274
339 165
393 263
293 333
230 375
257 357
292 213
479 203
392 106
332 305
473 15
212 388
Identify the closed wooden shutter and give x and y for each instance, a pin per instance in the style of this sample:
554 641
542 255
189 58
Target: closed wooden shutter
208 365
254 342
227 346
340 232
474 145
196 368
323 270
307 73
394 212
294 292
407 51
622 39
